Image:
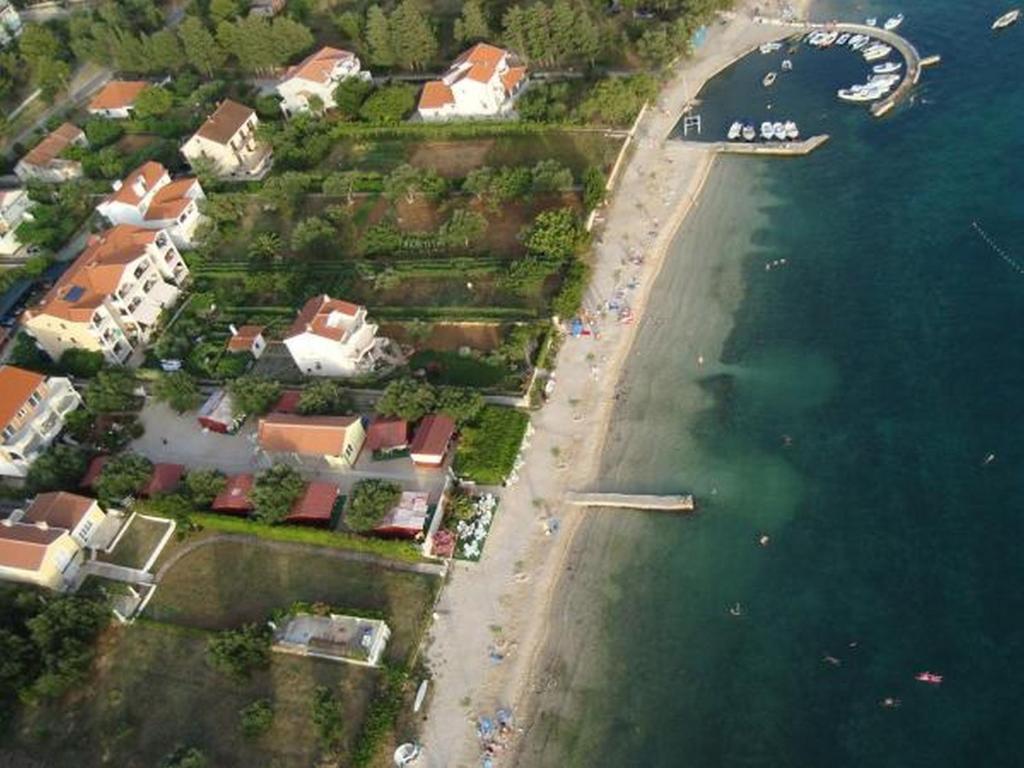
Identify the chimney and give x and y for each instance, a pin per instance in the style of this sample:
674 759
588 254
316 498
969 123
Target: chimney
234 331
117 185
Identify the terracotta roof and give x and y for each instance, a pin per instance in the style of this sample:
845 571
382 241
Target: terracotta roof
408 516
164 479
148 173
225 121
235 496
436 94
47 150
171 199
315 315
58 509
288 402
433 435
482 53
308 435
385 434
511 77
242 341
16 385
318 66
92 474
316 503
118 94
24 546
95 274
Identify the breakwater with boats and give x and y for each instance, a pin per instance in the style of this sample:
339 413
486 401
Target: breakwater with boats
852 406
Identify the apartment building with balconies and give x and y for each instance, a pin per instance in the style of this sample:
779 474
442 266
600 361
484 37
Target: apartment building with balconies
111 297
33 408
148 198
331 337
227 143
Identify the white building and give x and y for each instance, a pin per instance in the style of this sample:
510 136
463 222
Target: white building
14 209
227 142
32 412
247 339
116 99
331 337
10 23
44 163
317 75
482 82
109 300
148 198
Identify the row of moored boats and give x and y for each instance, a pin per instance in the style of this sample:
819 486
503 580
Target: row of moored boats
779 131
885 75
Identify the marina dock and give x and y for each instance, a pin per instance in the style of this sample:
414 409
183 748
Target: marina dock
667 503
780 148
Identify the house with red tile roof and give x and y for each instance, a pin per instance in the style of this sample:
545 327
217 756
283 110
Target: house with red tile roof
148 198
227 143
234 499
331 337
45 543
33 408
111 297
116 99
165 478
318 75
44 162
482 82
315 505
430 443
337 439
247 338
387 435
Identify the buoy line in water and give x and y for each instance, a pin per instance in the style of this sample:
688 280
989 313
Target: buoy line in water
995 247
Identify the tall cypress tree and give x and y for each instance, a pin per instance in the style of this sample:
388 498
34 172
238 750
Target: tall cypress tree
378 37
412 38
201 48
514 35
472 26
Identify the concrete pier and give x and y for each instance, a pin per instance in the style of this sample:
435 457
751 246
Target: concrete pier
666 503
780 148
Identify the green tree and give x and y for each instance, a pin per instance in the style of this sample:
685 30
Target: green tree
594 184
174 506
407 399
59 468
165 53
389 105
153 101
185 757
463 228
101 132
237 652
123 476
570 296
378 37
253 395
563 30
410 183
515 30
371 500
617 100
51 75
462 405
314 237
112 391
656 46
203 486
255 719
472 26
275 492
37 43
324 397
349 97
350 25
178 390
327 717
551 176
557 234
265 247
223 10
285 190
412 37
81 363
63 634
201 48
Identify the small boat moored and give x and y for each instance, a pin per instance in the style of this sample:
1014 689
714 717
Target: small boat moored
1007 19
871 21
887 68
779 131
876 52
787 65
769 47
928 677
769 79
792 132
843 39
735 130
749 132
893 22
767 131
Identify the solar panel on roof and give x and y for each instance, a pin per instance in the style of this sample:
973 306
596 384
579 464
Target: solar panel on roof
74 293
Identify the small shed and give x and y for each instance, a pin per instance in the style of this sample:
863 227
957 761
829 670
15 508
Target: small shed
248 338
93 472
288 402
387 435
234 499
165 479
408 518
217 413
315 505
430 443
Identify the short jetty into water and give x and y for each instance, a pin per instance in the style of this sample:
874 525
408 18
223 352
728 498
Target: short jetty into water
667 503
786 148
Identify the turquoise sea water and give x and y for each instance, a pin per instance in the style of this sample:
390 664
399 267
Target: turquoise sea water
890 350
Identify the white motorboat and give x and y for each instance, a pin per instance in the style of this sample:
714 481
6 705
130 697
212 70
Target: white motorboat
735 130
769 47
749 134
766 130
830 37
769 79
843 39
1008 18
887 68
893 22
857 94
883 80
859 41
876 52
787 65
779 131
792 132
871 21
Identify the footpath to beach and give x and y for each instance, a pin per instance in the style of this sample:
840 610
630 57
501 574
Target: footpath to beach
491 620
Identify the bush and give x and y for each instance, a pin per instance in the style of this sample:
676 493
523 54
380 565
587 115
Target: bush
204 485
123 476
594 184
178 390
380 719
570 296
256 719
81 363
618 100
558 234
275 492
100 132
253 395
389 105
237 652
327 717
112 391
60 468
350 95
185 757
488 447
324 398
407 399
371 500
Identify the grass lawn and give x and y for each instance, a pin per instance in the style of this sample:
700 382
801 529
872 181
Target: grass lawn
487 449
228 583
152 690
451 368
137 543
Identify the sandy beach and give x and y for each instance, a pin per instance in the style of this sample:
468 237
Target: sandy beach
494 617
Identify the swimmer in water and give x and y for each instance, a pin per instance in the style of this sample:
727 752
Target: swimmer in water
831 660
889 703
736 610
763 541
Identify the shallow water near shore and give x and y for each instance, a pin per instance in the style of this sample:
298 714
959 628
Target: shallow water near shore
847 406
